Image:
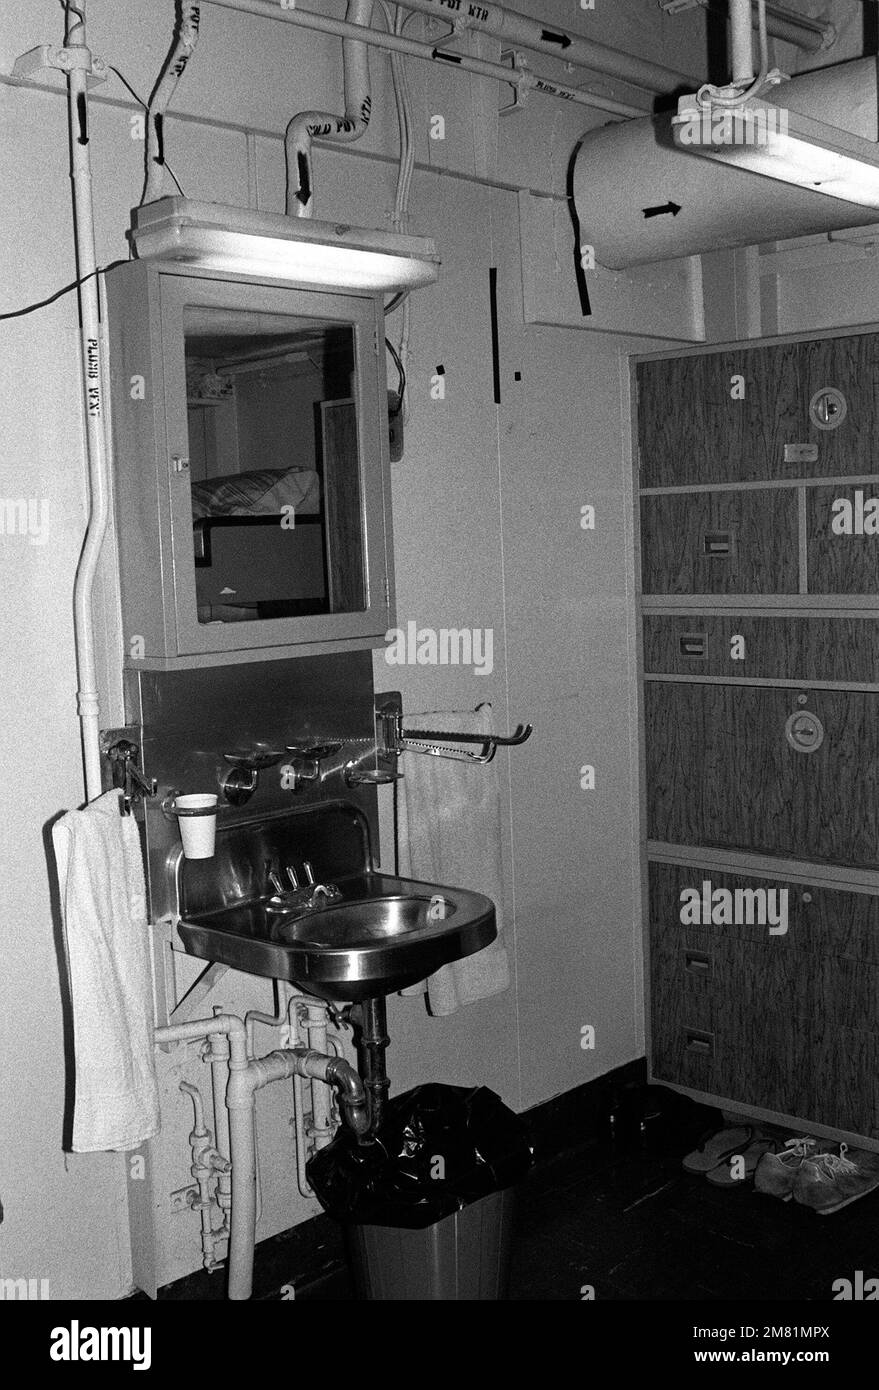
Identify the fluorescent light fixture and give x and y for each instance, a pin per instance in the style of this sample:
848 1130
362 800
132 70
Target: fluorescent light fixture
769 140
298 250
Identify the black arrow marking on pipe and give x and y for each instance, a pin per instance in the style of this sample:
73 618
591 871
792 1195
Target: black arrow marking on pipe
446 57
547 36
673 208
82 120
304 193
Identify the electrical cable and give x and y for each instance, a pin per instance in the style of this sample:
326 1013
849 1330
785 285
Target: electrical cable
140 101
709 95
401 371
58 294
395 21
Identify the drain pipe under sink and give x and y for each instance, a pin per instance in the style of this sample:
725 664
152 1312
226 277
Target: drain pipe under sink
245 1079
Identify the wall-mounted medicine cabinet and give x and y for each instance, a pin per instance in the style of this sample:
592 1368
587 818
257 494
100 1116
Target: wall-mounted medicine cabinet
251 478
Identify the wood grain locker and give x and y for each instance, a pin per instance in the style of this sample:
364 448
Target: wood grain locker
847 369
785 648
735 766
787 1022
692 430
822 921
839 562
720 543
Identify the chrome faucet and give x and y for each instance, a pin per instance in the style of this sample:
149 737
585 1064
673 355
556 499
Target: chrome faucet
328 891
308 895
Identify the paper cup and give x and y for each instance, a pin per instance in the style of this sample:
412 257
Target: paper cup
197 818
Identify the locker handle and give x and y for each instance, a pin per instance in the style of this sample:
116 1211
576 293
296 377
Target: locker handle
698 962
694 645
718 544
699 1044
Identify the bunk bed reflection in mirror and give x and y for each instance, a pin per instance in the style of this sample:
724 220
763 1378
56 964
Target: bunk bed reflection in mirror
273 465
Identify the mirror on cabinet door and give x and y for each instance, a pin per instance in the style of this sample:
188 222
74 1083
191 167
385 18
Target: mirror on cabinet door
251 470
273 465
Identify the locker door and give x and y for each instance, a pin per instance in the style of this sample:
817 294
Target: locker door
744 768
720 543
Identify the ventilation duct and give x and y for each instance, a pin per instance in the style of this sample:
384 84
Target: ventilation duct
640 198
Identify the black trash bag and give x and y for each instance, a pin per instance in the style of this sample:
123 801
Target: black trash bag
439 1148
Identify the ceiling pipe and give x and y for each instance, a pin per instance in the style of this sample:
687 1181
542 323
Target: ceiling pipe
520 77
741 42
183 47
307 124
93 374
799 29
518 31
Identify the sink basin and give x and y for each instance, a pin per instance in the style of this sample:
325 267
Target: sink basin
381 934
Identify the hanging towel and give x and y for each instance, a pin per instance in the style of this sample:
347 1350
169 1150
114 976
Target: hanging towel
103 905
450 833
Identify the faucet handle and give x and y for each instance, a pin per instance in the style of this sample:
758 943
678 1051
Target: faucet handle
273 877
308 871
291 874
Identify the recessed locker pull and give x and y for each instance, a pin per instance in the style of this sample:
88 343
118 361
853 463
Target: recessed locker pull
718 544
698 963
697 1043
694 644
801 453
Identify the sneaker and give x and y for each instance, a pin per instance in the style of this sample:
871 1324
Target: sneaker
828 1182
777 1172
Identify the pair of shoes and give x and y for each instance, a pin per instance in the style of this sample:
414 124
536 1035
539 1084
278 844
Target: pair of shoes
777 1172
818 1177
830 1181
739 1167
717 1147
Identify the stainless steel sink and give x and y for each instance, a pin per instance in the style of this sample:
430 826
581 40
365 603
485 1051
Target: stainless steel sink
378 935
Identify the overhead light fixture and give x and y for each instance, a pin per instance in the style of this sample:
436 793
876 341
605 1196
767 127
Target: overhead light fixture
304 252
766 139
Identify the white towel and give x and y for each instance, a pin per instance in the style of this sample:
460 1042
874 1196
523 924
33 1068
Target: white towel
103 904
449 826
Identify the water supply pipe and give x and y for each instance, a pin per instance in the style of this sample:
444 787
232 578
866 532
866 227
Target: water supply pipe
206 1162
98 505
350 126
314 1025
217 1054
519 76
246 1077
541 36
182 49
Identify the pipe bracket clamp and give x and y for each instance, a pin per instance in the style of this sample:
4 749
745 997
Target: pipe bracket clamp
48 56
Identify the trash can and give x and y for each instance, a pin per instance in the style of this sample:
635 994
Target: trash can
428 1207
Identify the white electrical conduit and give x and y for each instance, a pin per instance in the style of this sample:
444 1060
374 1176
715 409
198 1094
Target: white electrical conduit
527 81
182 50
93 379
741 42
354 123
